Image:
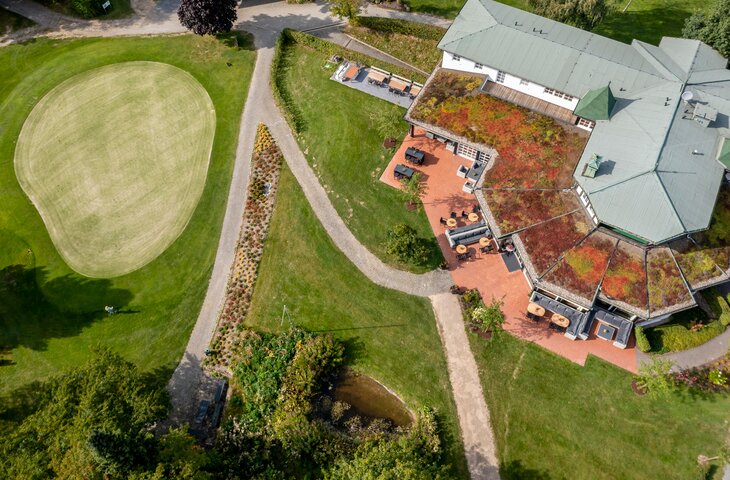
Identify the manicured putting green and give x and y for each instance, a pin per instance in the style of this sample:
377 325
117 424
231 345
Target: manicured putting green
115 160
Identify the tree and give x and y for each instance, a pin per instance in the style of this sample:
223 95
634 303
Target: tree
711 27
207 17
403 243
91 422
349 9
412 188
585 14
488 317
414 456
656 378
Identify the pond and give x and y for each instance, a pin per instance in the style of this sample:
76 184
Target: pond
371 399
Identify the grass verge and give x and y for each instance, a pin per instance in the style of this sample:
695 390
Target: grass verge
553 418
341 134
646 20
389 335
51 317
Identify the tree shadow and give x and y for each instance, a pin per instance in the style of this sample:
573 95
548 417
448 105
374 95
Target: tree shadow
29 317
237 39
514 470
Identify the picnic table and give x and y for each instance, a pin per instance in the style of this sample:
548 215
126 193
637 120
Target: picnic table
560 320
376 77
451 222
414 155
473 217
461 249
401 171
398 85
484 241
535 309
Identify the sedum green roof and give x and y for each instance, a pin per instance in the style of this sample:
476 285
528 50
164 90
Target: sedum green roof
596 104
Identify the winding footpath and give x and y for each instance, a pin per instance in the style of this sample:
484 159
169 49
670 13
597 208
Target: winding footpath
189 383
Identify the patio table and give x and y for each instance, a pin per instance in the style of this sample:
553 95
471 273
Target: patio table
535 309
484 241
473 217
560 320
451 222
397 84
461 249
606 332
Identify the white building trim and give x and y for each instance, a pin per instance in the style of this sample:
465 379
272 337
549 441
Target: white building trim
454 62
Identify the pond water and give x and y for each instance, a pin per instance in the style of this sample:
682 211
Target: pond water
372 399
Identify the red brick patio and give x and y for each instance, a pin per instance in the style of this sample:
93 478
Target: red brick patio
487 272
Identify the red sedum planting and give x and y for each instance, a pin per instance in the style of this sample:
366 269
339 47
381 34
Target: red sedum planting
625 279
666 287
517 209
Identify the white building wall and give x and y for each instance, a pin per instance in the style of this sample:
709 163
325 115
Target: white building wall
515 83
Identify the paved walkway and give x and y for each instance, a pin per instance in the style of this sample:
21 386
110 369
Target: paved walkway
188 383
694 357
476 430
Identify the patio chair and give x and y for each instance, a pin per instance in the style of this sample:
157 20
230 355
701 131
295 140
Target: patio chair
442 221
464 214
475 209
453 215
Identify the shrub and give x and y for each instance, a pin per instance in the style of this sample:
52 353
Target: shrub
278 85
718 378
488 317
402 242
712 27
642 343
87 8
412 188
674 337
655 378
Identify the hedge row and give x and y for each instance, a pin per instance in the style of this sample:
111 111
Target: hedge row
642 343
404 27
329 48
278 86
718 304
675 337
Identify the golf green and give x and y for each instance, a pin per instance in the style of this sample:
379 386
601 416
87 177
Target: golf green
115 160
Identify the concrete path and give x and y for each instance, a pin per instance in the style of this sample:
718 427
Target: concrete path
694 357
189 383
476 427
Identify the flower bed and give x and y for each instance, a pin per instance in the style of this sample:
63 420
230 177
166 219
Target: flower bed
517 209
666 287
581 269
534 150
625 279
265 168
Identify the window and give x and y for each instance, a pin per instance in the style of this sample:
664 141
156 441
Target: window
500 77
467 152
586 123
478 66
524 82
455 58
558 94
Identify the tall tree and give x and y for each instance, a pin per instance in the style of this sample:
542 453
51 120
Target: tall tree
585 14
711 27
207 17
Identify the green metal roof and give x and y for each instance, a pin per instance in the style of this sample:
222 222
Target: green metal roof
596 104
724 156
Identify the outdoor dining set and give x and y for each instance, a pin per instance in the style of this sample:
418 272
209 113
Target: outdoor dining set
413 156
475 231
556 321
395 84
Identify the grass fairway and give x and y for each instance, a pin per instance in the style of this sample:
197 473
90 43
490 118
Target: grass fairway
50 316
115 160
341 140
389 335
554 419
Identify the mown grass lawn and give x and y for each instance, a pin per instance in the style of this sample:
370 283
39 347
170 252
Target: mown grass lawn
10 21
342 142
554 419
389 335
51 317
647 20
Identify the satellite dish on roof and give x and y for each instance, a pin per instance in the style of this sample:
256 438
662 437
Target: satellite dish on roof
687 96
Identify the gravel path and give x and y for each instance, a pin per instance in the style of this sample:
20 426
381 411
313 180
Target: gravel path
189 384
476 427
